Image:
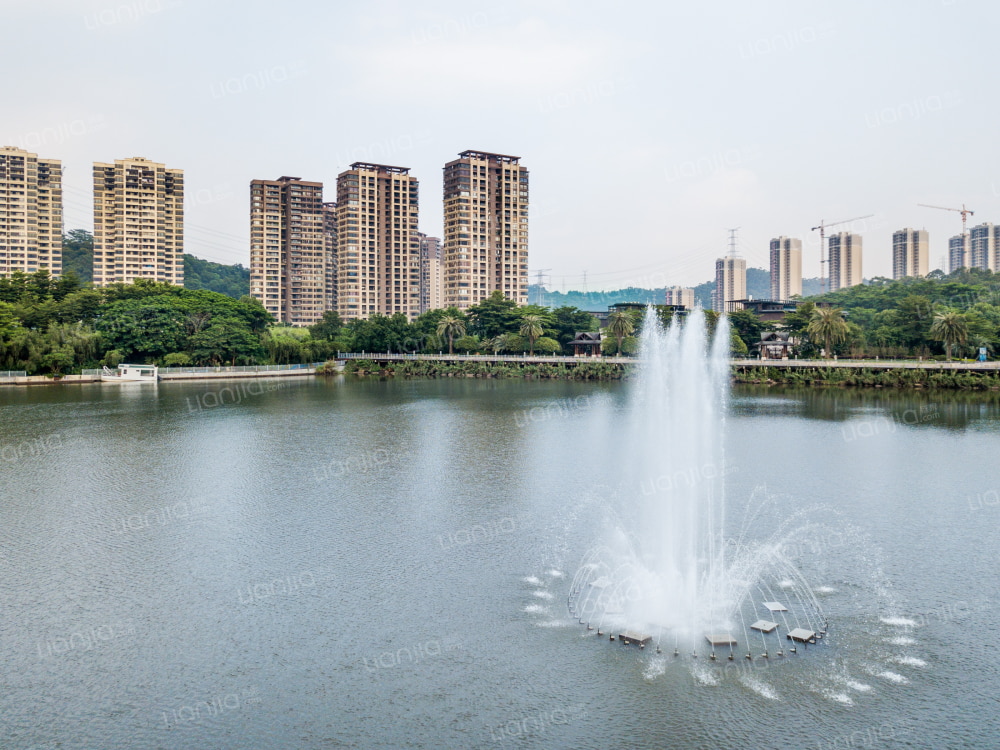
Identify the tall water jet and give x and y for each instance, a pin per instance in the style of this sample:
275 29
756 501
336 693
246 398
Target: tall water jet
664 564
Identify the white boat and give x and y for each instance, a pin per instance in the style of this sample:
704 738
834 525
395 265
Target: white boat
131 374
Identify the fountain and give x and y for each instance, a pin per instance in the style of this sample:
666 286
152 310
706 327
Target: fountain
666 571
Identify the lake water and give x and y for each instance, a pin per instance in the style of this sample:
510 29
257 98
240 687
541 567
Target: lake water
385 564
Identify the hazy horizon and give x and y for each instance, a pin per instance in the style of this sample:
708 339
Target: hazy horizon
648 132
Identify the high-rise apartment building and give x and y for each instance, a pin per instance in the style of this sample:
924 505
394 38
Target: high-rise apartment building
958 252
730 282
910 253
138 222
288 249
485 228
984 247
30 213
431 273
378 250
330 252
678 295
844 260
786 268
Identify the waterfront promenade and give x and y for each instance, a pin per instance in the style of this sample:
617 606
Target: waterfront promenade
870 364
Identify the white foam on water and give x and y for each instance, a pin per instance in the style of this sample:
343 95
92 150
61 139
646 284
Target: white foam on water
542 594
902 640
553 573
904 622
654 668
703 675
533 580
910 661
825 590
758 686
843 698
786 584
893 677
537 609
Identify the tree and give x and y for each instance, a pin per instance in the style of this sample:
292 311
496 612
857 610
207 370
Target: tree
568 321
620 324
328 327
494 315
829 325
468 344
532 329
950 328
748 326
450 328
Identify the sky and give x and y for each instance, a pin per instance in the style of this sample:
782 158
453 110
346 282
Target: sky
649 128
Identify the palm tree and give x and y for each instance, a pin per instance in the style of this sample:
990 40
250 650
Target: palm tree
451 327
620 324
531 329
949 328
499 343
828 324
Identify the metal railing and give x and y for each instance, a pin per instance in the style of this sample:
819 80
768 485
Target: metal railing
387 356
11 374
222 369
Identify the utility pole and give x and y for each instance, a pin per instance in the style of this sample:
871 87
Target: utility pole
541 280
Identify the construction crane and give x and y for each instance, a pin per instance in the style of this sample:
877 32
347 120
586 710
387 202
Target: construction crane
966 212
539 283
822 245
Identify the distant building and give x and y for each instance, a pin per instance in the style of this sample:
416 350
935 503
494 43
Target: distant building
330 253
586 344
678 295
984 247
766 309
30 213
378 249
958 252
844 260
485 229
431 273
786 268
289 255
730 282
910 253
138 222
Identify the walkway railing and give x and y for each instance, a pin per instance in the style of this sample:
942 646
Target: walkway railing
229 368
539 358
11 374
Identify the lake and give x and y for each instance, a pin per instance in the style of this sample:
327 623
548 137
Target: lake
385 564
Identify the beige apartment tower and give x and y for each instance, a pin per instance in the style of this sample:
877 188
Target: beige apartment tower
678 295
431 273
485 229
30 213
138 222
910 251
378 248
289 255
730 282
844 260
984 247
786 268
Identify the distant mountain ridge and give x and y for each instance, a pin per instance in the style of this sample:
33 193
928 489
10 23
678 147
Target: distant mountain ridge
758 287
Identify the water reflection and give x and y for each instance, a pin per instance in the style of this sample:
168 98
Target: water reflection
915 408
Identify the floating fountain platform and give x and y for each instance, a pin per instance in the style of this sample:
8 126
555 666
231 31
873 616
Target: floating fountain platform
721 640
775 606
764 626
628 637
802 635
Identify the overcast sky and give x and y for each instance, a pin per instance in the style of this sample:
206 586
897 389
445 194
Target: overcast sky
649 128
